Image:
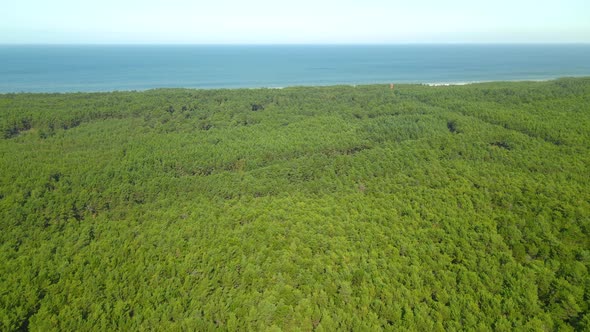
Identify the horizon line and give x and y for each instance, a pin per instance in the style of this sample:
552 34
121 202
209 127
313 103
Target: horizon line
296 44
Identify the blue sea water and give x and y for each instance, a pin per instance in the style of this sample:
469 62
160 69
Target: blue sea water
44 68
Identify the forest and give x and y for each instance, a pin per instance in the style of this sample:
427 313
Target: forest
340 208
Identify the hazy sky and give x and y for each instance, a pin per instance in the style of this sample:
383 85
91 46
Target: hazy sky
295 21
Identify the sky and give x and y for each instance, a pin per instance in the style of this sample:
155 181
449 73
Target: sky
293 22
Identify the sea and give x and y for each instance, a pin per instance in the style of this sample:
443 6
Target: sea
90 68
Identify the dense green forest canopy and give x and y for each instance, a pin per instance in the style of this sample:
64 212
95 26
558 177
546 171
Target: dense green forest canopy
306 208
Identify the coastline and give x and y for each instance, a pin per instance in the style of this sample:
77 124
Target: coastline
397 84
499 81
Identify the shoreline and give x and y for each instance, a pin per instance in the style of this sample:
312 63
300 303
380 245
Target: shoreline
425 84
499 81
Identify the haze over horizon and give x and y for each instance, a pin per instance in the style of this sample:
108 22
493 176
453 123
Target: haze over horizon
307 22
